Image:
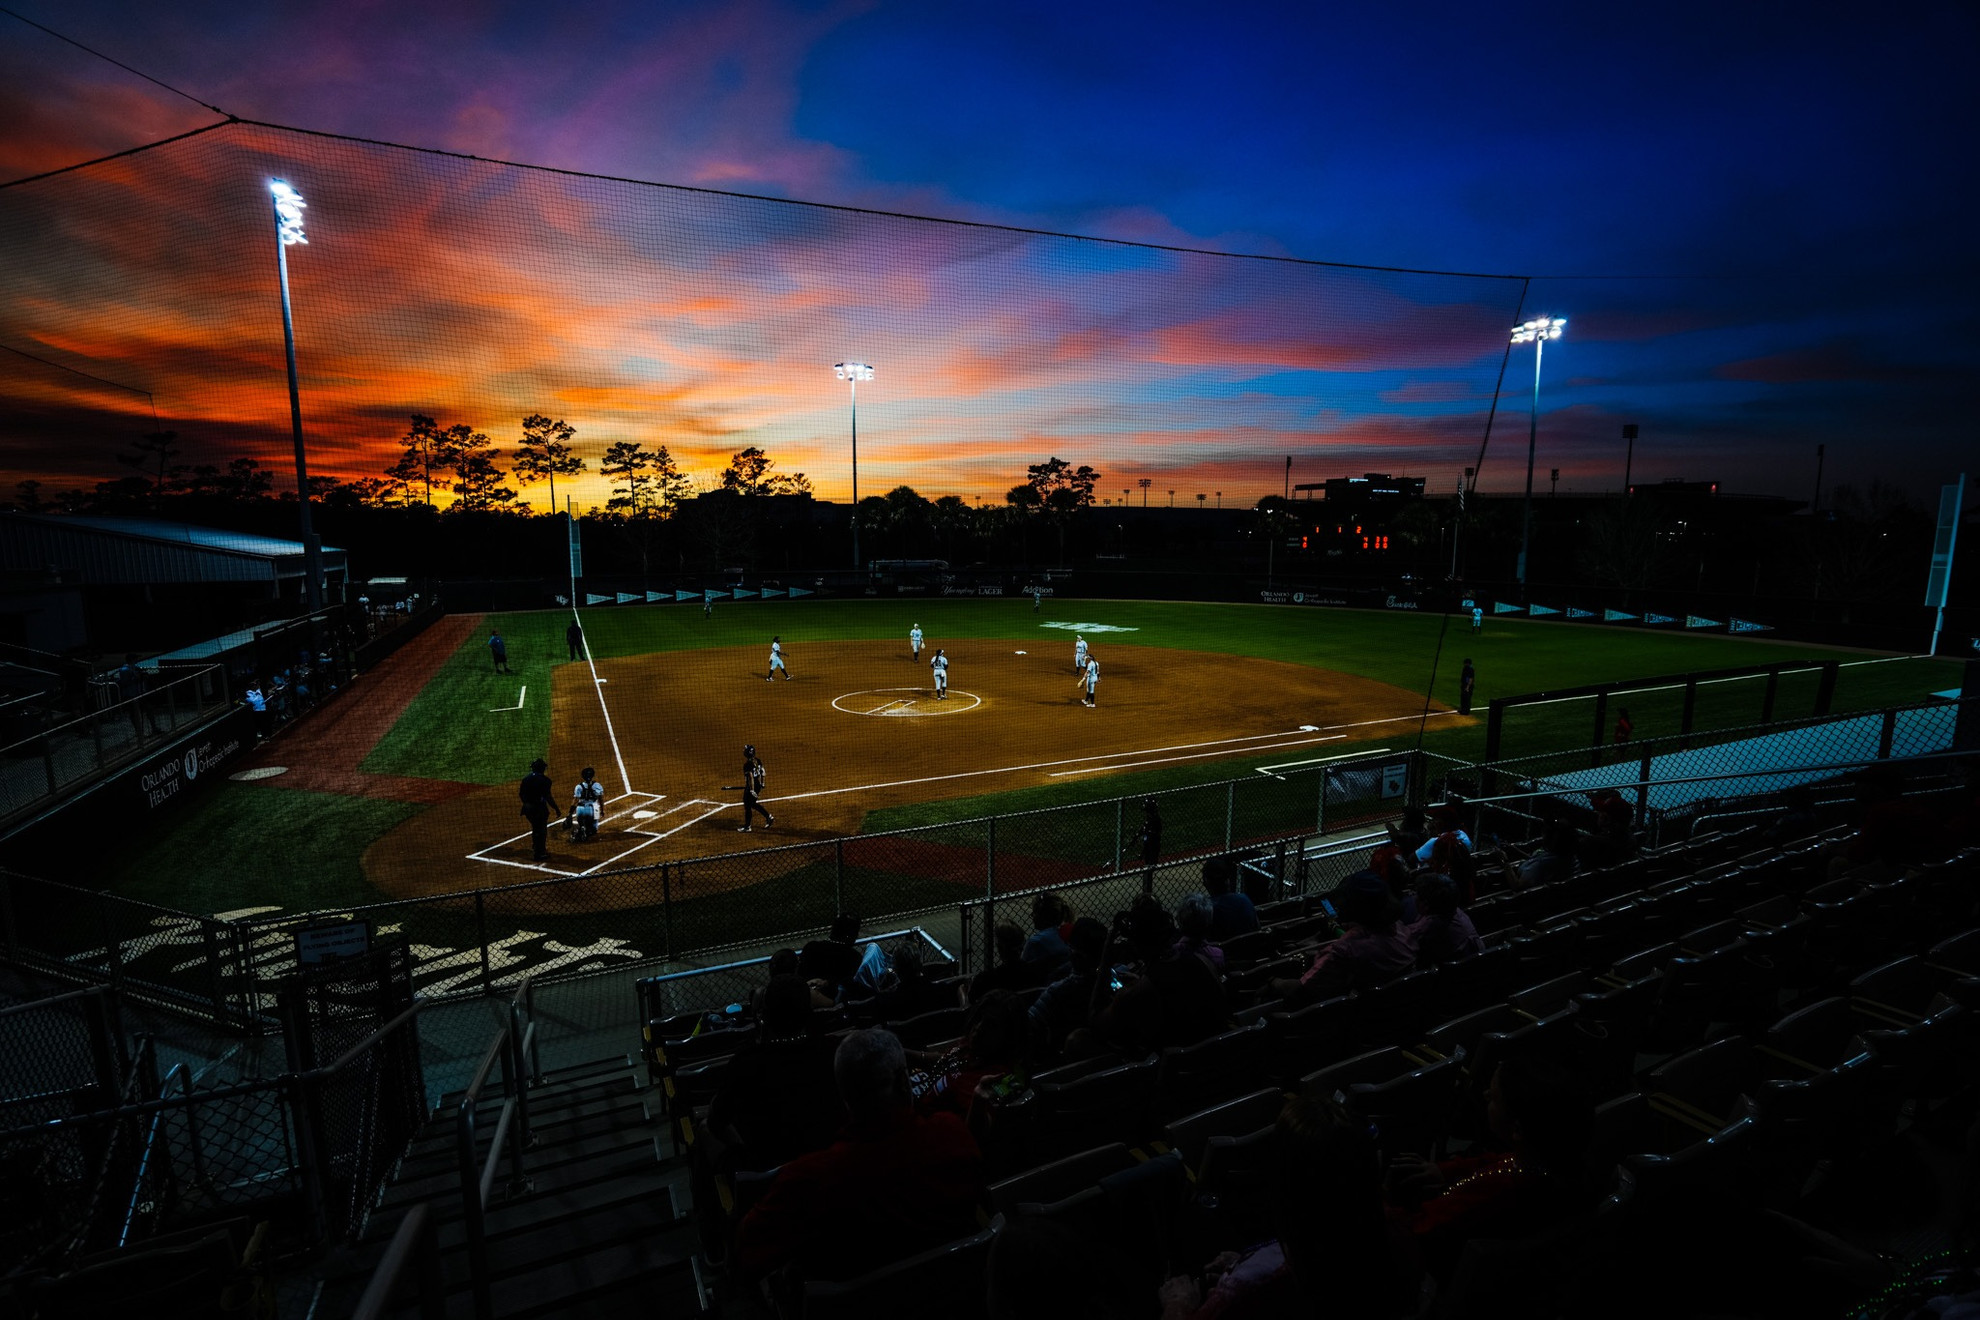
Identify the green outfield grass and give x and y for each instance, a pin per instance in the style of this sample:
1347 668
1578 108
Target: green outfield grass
447 733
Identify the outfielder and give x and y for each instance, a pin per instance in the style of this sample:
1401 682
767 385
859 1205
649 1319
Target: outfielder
914 640
1079 654
777 660
754 777
1091 680
708 602
940 664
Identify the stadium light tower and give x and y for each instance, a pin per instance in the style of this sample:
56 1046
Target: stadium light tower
852 373
289 229
1536 333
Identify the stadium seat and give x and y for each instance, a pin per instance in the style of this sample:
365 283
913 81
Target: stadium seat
1482 978
1059 1179
1190 1136
1298 1042
1193 1075
1236 1176
1112 1104
1960 953
946 1283
1550 997
1409 1103
925 1029
1395 1011
1241 951
1143 1223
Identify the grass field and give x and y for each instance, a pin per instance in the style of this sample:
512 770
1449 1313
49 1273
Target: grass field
463 729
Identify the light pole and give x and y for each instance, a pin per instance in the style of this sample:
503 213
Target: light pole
289 229
852 373
1536 333
1629 454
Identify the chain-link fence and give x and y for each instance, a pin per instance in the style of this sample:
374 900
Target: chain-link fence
1677 774
728 989
104 1166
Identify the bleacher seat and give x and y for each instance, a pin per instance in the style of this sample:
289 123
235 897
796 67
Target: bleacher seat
1060 1178
944 1283
1190 1075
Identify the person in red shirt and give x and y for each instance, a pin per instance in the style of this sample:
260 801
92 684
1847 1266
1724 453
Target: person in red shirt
893 1184
1540 1114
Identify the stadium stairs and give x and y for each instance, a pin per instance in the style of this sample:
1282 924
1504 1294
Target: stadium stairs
599 1229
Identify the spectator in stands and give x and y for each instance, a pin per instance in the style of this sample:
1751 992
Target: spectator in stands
1891 833
1614 835
1067 1005
1371 949
1232 913
1335 1254
1046 946
777 1099
1393 862
1540 1113
1045 1269
830 963
1441 932
1408 832
905 991
1011 971
1798 818
1194 917
258 703
1625 730
1166 998
993 1048
1555 859
1441 821
914 1181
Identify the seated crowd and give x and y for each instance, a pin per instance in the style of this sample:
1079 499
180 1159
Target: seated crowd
1359 1227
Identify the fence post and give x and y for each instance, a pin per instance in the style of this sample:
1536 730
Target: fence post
1690 710
838 877
1825 691
7 930
1120 828
481 935
1230 812
1888 735
667 910
990 859
1643 788
301 1089
216 989
965 955
1767 702
110 940
1320 818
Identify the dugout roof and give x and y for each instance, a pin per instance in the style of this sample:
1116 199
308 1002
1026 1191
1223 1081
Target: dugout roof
96 551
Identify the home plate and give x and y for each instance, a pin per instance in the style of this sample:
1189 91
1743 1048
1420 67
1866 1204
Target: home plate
645 815
1309 728
1024 653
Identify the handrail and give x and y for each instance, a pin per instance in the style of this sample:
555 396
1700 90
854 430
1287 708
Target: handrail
343 1060
478 1177
417 1241
144 1159
1831 767
62 998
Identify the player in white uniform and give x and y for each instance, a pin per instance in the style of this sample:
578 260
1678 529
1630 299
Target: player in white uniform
587 806
914 640
940 665
777 660
1079 654
1091 680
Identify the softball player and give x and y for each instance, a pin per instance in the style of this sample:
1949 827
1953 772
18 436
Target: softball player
1091 680
940 664
754 777
914 640
1079 654
777 660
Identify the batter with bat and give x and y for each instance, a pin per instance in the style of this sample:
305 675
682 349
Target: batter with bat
753 778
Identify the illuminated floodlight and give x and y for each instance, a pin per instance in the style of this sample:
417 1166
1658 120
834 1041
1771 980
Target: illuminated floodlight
1545 328
1535 332
288 212
853 373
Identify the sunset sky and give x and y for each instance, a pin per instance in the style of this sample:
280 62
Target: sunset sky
1757 219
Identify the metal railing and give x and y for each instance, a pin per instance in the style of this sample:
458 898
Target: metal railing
415 1244
41 767
510 1048
712 989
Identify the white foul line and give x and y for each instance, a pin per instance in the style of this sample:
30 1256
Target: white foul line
618 756
1321 760
496 710
1193 756
1105 756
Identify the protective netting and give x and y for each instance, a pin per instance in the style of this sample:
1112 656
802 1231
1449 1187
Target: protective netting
477 292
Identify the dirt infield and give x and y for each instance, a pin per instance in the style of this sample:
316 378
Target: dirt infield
856 728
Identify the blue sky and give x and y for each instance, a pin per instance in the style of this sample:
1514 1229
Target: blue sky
1789 187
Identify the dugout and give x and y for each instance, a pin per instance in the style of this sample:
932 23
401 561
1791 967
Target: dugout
147 583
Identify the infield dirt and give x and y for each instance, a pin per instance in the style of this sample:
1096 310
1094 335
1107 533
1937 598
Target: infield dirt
856 728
